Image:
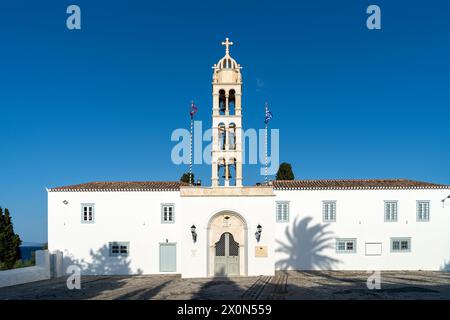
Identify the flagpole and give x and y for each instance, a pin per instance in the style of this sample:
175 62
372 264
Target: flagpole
266 147
190 149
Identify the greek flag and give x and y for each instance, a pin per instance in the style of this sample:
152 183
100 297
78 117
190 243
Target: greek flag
268 115
193 110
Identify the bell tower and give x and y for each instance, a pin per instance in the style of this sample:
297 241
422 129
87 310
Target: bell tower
226 149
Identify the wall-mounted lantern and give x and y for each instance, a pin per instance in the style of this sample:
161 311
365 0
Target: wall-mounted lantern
443 201
194 234
258 232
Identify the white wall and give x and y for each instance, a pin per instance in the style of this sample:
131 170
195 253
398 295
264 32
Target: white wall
360 215
133 217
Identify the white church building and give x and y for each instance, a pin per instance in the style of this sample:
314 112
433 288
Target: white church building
229 229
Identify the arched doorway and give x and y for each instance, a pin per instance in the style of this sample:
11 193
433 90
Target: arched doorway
227 245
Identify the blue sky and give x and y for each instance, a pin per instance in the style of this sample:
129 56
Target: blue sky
100 104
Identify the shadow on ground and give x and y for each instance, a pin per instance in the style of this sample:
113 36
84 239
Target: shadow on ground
219 288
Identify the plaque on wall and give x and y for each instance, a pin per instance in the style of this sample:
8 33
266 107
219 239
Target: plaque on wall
261 251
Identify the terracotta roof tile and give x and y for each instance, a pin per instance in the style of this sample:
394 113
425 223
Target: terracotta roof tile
123 186
355 184
277 184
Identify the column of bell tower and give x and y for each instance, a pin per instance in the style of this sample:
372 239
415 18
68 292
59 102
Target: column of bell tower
227 122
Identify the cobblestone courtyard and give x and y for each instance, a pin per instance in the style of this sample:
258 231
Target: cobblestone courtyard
284 285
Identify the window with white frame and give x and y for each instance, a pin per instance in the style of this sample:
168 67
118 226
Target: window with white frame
87 212
329 211
400 244
423 210
346 245
390 211
167 213
282 211
117 249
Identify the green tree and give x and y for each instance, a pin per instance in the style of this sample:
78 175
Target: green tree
9 241
186 178
2 241
285 172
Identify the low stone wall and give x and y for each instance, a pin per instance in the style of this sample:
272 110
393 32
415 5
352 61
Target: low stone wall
41 271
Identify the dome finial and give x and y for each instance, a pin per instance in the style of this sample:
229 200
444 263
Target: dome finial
227 45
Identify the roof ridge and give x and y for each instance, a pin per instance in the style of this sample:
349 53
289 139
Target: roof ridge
128 181
399 183
353 179
122 185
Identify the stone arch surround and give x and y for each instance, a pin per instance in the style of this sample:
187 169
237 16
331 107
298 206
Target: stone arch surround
237 226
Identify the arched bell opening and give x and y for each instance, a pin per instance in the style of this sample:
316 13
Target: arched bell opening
232 172
221 171
232 102
222 136
232 136
222 102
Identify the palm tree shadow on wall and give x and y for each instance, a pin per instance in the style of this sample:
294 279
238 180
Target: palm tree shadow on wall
304 247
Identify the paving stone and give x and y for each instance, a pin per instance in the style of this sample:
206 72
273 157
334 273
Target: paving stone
284 285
